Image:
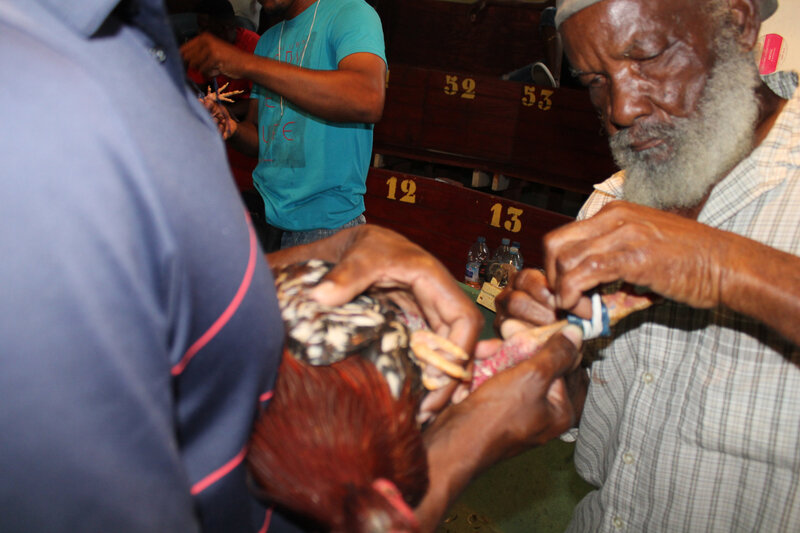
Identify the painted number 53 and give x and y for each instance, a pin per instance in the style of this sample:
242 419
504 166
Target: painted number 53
543 101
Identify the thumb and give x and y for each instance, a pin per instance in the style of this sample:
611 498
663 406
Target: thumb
574 334
560 354
557 393
334 292
487 348
346 280
339 286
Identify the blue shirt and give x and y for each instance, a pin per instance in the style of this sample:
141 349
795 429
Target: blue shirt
138 320
312 173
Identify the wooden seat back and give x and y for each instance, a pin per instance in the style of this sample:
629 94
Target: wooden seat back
446 218
534 133
488 37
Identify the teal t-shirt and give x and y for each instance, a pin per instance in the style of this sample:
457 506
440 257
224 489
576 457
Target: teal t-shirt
311 172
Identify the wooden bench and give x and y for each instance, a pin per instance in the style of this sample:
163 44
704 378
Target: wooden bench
488 37
445 218
533 133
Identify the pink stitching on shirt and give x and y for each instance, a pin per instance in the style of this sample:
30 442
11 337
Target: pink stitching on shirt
267 520
219 473
229 311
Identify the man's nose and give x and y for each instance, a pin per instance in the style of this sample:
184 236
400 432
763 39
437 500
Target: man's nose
628 101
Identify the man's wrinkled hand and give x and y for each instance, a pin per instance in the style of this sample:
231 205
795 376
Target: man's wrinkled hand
369 256
525 302
541 397
673 256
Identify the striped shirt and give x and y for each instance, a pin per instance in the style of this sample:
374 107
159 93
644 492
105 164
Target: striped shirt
692 421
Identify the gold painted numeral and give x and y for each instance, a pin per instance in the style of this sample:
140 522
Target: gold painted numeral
466 88
407 187
450 85
469 89
511 222
543 101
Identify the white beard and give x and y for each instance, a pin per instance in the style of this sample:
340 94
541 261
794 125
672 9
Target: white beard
699 150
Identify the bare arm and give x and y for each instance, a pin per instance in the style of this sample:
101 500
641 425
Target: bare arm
244 134
354 92
763 283
522 407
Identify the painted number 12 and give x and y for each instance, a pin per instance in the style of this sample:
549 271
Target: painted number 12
407 187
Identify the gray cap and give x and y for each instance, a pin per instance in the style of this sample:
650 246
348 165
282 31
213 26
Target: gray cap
567 8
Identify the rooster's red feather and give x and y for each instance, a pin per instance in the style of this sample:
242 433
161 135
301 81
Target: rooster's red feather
328 434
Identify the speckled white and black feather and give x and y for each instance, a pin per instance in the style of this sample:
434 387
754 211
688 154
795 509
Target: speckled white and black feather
370 326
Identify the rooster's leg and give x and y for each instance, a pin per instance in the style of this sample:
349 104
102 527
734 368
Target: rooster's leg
524 344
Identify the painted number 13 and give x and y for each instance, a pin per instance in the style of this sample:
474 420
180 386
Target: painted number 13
510 222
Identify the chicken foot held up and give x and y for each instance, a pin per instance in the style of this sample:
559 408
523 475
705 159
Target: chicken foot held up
524 344
219 95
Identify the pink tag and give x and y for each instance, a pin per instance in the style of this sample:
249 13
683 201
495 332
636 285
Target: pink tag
770 53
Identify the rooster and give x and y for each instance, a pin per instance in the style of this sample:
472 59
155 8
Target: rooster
340 442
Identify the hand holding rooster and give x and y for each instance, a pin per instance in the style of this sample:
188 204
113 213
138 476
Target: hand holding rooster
525 406
350 456
370 256
356 435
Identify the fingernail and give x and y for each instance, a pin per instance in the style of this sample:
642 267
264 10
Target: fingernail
574 334
551 301
321 290
460 395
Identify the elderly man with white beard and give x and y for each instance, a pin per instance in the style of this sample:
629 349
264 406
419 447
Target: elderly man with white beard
691 417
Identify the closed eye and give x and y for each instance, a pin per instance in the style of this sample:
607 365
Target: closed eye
588 79
644 56
593 81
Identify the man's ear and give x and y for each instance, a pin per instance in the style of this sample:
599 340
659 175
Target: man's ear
745 16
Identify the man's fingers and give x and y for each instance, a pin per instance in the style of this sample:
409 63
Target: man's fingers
464 331
487 348
333 293
532 303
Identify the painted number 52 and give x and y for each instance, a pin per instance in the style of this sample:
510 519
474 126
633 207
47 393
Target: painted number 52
467 87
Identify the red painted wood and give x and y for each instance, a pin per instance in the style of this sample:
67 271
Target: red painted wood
491 38
445 219
562 146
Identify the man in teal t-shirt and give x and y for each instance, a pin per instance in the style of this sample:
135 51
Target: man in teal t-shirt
319 88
